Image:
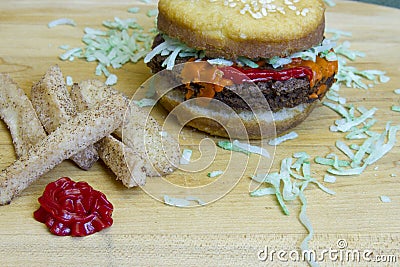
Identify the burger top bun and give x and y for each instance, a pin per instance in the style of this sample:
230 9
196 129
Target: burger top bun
232 28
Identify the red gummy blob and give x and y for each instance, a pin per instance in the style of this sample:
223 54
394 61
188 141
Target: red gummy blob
73 208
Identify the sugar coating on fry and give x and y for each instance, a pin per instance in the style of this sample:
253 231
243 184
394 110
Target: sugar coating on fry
127 165
69 138
53 104
17 112
143 134
161 152
87 93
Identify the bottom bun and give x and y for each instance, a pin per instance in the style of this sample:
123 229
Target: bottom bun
247 125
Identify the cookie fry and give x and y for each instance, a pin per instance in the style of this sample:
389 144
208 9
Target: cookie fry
68 139
160 159
53 104
127 165
17 112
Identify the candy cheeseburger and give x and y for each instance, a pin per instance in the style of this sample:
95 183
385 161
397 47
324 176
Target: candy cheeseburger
278 44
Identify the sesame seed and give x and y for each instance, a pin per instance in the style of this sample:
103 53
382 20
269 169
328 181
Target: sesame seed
264 11
255 5
260 8
256 15
304 12
243 36
281 9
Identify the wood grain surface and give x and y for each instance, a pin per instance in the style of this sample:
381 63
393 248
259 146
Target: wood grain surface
234 229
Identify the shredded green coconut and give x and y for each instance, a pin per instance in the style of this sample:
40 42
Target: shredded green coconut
152 13
243 148
371 150
293 178
71 54
330 3
280 139
145 102
307 224
334 162
352 77
396 108
229 146
111 79
173 47
214 174
289 184
252 149
134 10
186 155
122 41
329 178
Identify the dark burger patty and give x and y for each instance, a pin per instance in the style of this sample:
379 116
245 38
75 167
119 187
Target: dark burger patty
279 94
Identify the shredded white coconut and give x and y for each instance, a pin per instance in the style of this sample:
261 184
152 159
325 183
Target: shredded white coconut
385 199
61 21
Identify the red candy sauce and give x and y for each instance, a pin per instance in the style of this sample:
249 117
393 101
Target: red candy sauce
218 77
73 208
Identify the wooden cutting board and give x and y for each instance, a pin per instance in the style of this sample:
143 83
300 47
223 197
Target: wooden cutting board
237 228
